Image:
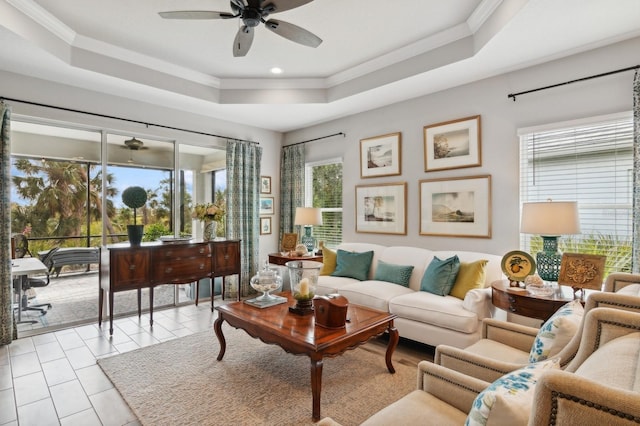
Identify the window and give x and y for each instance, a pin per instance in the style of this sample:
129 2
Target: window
591 162
324 190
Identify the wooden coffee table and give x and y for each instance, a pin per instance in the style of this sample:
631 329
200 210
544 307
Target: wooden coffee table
298 335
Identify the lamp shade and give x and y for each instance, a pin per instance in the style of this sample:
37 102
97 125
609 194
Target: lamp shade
550 218
308 216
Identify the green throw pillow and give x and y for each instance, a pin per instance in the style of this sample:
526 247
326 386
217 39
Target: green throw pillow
353 265
440 275
397 274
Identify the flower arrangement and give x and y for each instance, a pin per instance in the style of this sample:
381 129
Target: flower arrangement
209 211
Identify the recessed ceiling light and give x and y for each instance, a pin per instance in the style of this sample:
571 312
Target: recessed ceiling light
276 70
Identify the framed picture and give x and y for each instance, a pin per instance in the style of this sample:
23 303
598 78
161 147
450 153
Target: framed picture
289 241
580 271
382 209
265 225
381 156
456 207
266 205
452 144
265 184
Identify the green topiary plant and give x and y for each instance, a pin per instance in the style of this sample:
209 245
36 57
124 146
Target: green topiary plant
134 197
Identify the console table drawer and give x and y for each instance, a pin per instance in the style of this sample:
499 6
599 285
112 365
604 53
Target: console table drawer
130 268
182 252
182 270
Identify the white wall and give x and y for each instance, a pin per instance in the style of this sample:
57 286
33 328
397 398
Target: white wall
500 119
40 91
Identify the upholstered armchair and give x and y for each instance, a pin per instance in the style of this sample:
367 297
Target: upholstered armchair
596 388
623 282
505 346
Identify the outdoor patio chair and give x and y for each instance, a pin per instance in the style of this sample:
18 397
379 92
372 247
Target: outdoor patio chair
32 283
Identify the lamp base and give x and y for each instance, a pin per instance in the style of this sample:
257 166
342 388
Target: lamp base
308 240
549 260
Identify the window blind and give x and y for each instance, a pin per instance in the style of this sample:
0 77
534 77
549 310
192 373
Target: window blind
591 163
323 189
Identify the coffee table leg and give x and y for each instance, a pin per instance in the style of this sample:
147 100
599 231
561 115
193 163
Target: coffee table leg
316 386
217 327
394 337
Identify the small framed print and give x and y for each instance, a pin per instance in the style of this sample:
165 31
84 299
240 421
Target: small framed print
456 207
382 209
381 156
265 184
266 205
265 225
452 144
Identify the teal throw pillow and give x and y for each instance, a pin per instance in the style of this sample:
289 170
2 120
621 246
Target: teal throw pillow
353 265
440 275
397 274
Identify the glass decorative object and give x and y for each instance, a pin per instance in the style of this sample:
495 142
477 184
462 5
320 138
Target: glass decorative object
210 230
304 280
266 281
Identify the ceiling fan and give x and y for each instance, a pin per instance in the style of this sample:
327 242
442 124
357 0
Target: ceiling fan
252 13
134 144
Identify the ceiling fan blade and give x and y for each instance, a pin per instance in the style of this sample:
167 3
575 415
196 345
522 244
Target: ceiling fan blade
243 40
196 14
293 33
275 6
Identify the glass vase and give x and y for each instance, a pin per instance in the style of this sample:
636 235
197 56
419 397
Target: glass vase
304 280
210 230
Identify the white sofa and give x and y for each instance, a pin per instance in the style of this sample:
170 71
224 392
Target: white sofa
422 316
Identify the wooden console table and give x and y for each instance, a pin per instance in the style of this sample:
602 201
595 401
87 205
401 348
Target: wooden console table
518 301
124 267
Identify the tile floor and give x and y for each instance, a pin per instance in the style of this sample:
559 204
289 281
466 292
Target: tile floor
53 378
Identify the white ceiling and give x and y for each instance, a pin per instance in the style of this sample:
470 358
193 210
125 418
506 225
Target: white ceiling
374 52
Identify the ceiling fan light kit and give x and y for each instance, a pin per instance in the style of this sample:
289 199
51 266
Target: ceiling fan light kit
252 13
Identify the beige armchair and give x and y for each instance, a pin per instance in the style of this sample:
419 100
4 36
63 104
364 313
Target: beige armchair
619 280
505 346
596 388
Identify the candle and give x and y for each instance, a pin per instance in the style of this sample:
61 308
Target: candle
304 287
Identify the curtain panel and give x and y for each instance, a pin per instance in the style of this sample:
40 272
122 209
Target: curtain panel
8 330
243 212
291 185
636 173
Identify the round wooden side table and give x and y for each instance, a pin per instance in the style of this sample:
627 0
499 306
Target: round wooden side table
519 301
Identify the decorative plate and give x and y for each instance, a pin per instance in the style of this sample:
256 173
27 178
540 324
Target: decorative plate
517 265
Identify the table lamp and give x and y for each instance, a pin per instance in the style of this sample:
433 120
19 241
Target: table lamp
550 219
307 217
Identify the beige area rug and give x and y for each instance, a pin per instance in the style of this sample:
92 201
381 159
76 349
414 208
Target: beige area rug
180 382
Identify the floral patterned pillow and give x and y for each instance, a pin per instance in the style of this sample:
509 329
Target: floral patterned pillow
508 400
556 332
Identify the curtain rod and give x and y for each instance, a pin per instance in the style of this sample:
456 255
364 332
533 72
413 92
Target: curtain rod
513 95
317 139
2 98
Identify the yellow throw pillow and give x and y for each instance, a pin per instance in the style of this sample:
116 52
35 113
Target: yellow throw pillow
328 261
471 275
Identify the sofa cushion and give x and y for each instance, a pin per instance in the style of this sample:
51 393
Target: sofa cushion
508 400
440 275
374 294
556 332
624 373
328 284
353 265
445 312
630 290
397 274
329 258
470 275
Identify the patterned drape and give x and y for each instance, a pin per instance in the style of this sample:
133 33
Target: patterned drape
291 185
243 212
636 173
7 326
